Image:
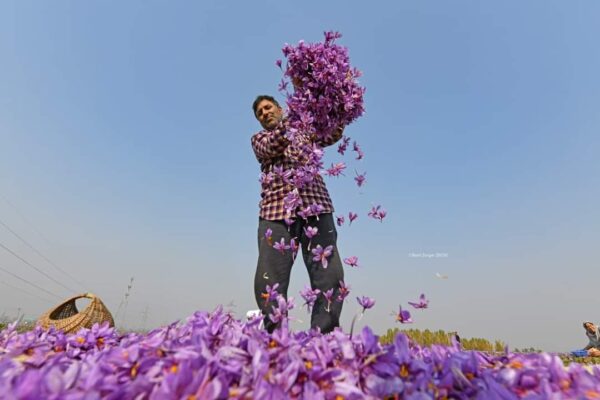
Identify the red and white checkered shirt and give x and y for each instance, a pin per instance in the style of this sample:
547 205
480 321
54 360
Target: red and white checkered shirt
272 150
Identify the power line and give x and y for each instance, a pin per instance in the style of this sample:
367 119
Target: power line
36 268
40 254
24 219
30 283
24 291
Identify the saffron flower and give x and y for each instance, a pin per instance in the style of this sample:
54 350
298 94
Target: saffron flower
310 232
377 213
316 209
310 297
293 246
403 316
421 304
344 145
351 261
360 178
328 296
270 294
280 312
292 200
281 246
321 254
269 236
352 216
343 291
365 302
357 149
213 355
336 169
305 213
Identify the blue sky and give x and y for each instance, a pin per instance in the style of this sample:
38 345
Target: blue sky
126 143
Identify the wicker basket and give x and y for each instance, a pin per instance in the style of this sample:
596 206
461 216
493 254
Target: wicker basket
67 318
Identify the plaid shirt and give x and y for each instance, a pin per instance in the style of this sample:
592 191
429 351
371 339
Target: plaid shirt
271 150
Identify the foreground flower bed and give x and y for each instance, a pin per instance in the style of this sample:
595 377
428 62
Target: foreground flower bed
213 355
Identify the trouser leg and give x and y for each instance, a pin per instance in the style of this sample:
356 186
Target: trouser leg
324 278
273 267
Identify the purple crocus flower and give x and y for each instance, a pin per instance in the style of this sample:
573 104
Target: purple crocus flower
316 209
360 178
283 86
270 294
403 316
305 213
351 261
340 220
344 145
293 246
352 216
310 297
374 211
377 213
423 302
292 200
284 174
321 254
281 246
328 295
266 179
336 169
278 63
310 232
357 149
289 222
269 236
280 312
343 291
365 302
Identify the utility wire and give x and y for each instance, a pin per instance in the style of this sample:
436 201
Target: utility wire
36 268
25 291
30 283
24 219
40 254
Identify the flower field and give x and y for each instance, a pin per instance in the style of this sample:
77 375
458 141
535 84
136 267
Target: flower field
213 355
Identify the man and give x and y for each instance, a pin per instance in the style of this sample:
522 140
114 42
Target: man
272 151
593 334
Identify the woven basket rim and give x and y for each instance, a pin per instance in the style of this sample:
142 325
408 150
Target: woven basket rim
89 296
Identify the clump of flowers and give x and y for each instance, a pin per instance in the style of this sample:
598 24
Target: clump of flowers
326 97
213 355
327 94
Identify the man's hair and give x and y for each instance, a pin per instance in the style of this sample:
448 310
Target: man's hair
261 98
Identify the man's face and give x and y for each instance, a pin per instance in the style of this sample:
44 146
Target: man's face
268 114
591 328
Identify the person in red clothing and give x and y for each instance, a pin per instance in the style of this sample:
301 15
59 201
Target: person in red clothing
275 155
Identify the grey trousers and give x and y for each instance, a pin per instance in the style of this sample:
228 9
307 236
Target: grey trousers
275 267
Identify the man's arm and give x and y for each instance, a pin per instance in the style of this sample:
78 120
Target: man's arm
269 144
331 139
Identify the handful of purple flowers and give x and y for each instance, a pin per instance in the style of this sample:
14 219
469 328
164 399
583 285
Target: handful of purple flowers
326 98
327 94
